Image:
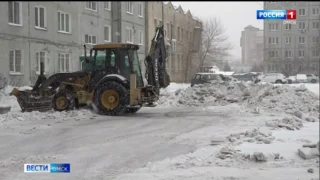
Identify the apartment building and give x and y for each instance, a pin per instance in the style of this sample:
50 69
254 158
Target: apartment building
293 48
55 32
251 43
183 37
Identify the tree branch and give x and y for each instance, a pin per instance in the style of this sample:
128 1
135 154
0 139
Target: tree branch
214 41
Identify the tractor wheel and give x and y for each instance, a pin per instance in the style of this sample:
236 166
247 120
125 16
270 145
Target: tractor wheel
63 101
132 110
111 98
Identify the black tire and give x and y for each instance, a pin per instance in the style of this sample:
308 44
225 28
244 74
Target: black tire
289 81
68 97
123 100
132 110
278 81
313 81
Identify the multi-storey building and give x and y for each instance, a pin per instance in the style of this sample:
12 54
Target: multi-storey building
55 32
183 35
293 48
251 43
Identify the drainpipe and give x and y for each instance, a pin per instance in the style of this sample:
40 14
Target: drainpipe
29 44
119 10
146 29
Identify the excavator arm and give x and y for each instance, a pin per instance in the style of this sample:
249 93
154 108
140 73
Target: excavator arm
156 69
155 62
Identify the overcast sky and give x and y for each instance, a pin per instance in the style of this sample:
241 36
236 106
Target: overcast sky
234 15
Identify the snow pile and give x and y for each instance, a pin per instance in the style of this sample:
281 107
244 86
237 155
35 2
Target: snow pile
265 96
173 87
260 136
7 100
293 123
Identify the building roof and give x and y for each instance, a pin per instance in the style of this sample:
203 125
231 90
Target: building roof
182 10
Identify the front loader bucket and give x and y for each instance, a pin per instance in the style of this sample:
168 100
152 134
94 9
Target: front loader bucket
32 100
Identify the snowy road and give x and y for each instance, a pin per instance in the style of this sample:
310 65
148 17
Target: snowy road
100 147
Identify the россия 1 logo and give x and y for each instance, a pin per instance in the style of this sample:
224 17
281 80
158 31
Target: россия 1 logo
47 168
289 16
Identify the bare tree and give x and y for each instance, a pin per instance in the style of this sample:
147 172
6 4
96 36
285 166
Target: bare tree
214 41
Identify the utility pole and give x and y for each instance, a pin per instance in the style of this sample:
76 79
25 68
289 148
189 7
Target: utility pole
318 50
162 13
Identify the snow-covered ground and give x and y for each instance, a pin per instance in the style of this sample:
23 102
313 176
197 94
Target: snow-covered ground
199 133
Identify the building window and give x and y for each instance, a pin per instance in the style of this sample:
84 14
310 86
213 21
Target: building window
90 39
40 17
288 40
174 44
274 27
288 27
178 33
140 10
287 54
129 35
273 40
301 53
140 38
64 23
40 57
315 53
64 62
91 5
302 12
273 54
173 62
168 30
315 25
15 13
315 11
316 39
302 25
179 61
15 61
302 40
107 33
181 34
107 5
129 7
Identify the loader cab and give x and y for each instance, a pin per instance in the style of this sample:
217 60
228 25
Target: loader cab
120 59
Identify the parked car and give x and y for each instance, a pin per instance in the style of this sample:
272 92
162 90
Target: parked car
292 79
273 78
312 78
245 76
202 78
299 78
